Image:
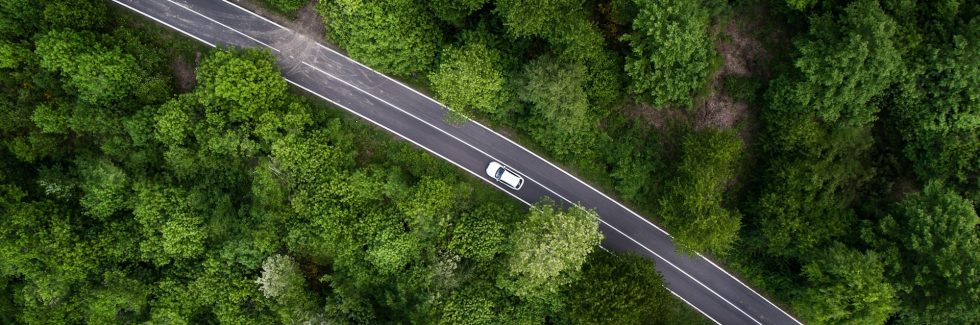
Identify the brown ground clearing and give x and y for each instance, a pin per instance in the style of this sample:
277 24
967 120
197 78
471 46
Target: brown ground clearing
743 55
184 72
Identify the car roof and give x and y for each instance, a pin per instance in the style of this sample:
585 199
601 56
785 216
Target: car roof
510 178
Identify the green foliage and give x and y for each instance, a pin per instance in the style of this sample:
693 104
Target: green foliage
549 248
480 234
743 89
806 199
692 207
845 63
817 127
471 78
80 14
105 186
562 119
286 6
398 37
846 286
937 266
171 223
618 289
672 52
454 11
526 18
801 5
939 114
243 85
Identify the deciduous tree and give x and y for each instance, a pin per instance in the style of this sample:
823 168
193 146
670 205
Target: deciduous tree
548 250
937 270
692 207
672 54
471 77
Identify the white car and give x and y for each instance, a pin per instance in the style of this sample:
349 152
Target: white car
504 175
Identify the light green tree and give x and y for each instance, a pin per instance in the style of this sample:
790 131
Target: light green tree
548 250
692 206
398 37
563 120
471 78
846 286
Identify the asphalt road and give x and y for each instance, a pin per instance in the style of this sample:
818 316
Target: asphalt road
420 120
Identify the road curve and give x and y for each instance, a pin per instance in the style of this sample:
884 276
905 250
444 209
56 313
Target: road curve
404 112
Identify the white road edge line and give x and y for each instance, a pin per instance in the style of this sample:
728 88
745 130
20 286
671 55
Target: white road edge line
542 185
682 271
257 15
443 157
403 137
164 23
750 289
223 25
692 305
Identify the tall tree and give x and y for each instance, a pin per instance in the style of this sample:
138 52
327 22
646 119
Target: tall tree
548 250
846 286
937 266
672 51
692 207
398 37
617 289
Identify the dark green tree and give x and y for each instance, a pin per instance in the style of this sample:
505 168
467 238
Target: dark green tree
937 264
617 289
672 54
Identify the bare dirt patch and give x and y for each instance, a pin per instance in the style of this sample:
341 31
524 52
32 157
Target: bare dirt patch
742 55
308 21
184 72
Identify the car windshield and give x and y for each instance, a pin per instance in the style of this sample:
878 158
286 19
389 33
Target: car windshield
500 171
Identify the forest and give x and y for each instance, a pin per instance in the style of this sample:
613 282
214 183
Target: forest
147 178
826 151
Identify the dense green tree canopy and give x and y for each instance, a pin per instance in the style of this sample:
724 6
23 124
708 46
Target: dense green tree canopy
617 289
399 37
846 286
672 53
938 244
692 207
236 201
471 77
